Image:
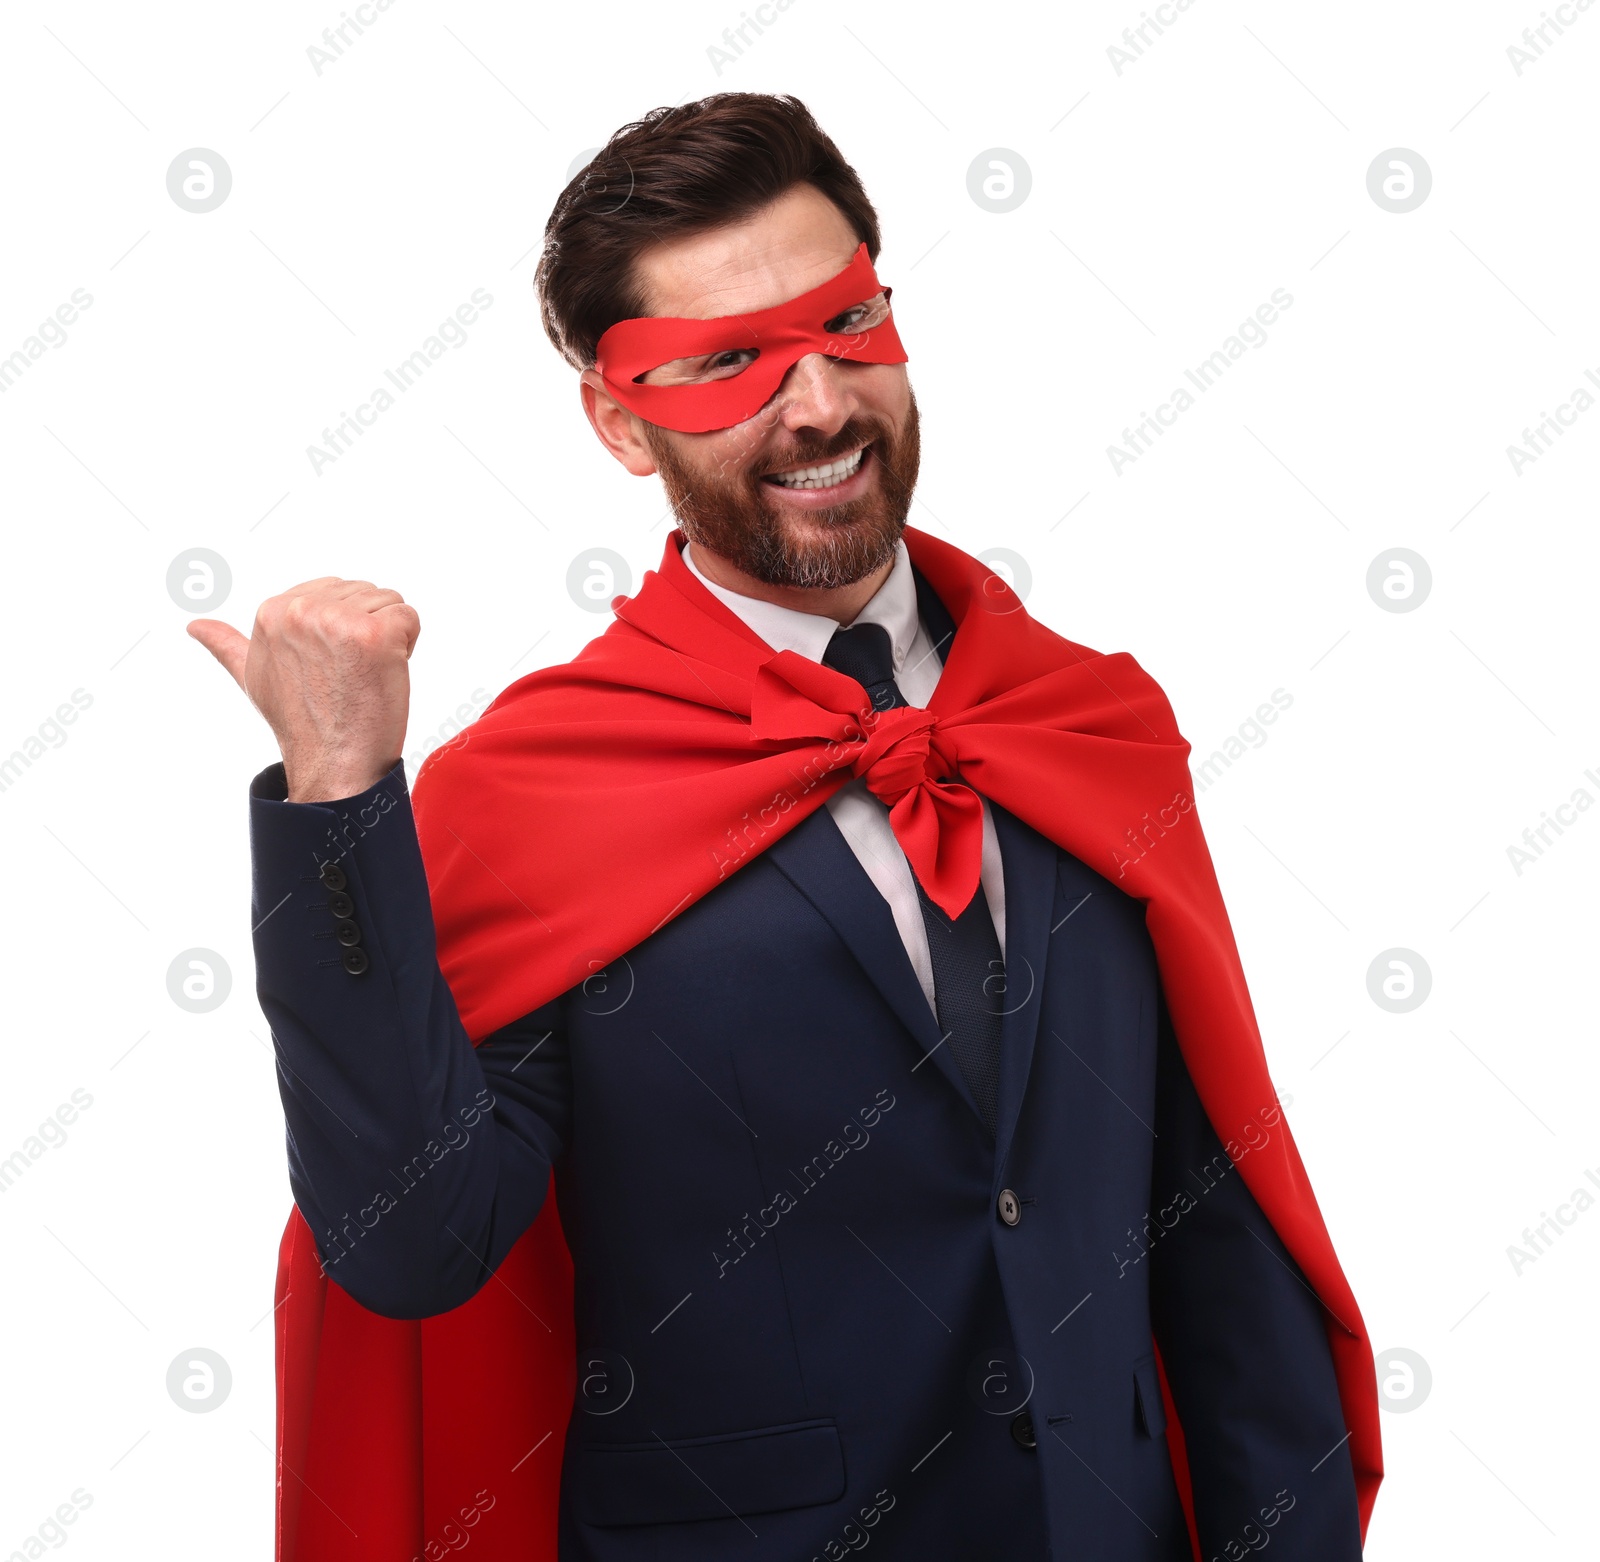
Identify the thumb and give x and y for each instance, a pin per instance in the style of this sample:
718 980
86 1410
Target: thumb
224 642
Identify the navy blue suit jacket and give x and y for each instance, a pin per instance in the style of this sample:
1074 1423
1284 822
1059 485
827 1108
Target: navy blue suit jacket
804 1322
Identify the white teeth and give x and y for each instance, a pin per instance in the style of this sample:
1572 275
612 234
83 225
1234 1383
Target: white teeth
828 475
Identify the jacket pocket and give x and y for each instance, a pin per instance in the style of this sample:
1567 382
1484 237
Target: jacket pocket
661 1482
1148 1406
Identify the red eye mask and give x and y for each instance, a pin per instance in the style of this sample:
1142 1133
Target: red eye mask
780 337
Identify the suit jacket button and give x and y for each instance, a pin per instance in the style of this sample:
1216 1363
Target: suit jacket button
355 961
1022 1431
341 904
333 876
347 933
1009 1207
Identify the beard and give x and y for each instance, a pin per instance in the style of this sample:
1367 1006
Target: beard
742 520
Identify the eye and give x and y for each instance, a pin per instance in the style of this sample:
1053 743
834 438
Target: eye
860 317
703 369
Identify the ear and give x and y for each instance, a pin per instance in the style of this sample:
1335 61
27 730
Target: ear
617 428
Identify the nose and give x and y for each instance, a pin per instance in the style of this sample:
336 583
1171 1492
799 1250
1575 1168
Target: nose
816 394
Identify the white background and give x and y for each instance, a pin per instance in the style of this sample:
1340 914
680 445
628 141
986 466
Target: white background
1167 203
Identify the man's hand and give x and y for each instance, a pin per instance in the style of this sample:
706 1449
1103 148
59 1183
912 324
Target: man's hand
327 666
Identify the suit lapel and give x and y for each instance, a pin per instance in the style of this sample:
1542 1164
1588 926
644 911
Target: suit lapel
1030 879
817 860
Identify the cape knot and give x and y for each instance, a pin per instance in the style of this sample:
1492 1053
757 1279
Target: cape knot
900 751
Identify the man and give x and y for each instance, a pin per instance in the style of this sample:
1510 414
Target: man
841 948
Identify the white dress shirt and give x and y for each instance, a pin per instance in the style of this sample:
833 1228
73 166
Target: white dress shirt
862 819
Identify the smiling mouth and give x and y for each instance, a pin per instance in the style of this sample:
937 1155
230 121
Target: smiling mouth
826 474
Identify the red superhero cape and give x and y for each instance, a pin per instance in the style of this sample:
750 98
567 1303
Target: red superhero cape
593 802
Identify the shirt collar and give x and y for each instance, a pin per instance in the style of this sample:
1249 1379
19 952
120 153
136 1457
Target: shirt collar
893 605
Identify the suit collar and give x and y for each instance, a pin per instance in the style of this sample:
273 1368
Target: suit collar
1030 879
817 860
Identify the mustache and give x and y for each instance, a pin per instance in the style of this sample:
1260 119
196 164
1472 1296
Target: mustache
813 453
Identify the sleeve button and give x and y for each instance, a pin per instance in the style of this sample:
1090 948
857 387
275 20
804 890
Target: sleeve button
333 876
355 961
341 904
347 933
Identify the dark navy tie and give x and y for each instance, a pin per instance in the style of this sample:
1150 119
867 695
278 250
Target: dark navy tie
968 973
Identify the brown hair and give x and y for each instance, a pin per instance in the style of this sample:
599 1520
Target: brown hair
678 171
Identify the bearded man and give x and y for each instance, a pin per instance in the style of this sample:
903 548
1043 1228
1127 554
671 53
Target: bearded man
789 1084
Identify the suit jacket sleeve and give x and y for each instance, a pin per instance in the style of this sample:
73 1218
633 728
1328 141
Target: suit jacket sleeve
416 1158
1245 1348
